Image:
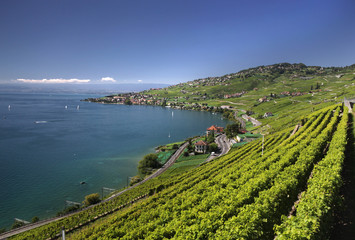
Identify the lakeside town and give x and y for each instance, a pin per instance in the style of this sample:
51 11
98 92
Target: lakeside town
142 98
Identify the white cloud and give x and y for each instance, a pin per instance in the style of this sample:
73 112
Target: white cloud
54 80
140 81
107 79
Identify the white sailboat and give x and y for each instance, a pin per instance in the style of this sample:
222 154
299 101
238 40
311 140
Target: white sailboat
66 107
9 107
77 107
172 114
169 135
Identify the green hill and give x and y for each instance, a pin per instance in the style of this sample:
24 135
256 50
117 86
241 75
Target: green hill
290 192
277 88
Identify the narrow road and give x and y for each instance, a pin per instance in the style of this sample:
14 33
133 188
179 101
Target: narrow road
30 226
252 120
168 164
240 120
223 145
234 103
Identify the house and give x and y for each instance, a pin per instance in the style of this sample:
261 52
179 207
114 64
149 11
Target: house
267 114
215 129
263 99
201 146
226 107
242 131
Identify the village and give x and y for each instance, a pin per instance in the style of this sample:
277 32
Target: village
210 143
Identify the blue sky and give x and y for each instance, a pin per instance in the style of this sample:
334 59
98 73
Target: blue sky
168 41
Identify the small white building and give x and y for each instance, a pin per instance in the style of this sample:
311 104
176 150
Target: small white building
201 146
268 114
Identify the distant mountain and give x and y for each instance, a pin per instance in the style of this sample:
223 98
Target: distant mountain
79 88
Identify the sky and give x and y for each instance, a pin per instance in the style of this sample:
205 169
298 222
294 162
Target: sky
167 41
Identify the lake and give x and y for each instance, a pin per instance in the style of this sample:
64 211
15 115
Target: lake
47 149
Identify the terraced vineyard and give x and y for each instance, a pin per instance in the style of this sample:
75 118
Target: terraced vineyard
241 195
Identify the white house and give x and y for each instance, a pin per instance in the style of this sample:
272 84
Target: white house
201 146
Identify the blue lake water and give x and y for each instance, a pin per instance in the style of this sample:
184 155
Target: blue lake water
46 150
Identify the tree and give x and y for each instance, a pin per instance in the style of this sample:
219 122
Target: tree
35 219
249 112
210 137
134 180
232 130
228 114
17 224
149 162
190 148
213 147
317 86
92 199
127 101
67 210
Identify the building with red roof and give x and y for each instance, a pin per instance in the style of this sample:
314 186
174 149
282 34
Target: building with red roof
215 129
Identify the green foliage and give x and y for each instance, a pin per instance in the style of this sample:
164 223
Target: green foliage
135 179
213 147
92 199
128 101
35 219
68 210
231 130
314 211
17 224
210 138
236 214
190 148
170 146
240 195
228 114
164 156
148 163
193 160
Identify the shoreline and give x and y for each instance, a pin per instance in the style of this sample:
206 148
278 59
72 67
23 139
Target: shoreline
30 226
59 107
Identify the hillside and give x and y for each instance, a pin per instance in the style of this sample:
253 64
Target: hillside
288 190
241 195
276 88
